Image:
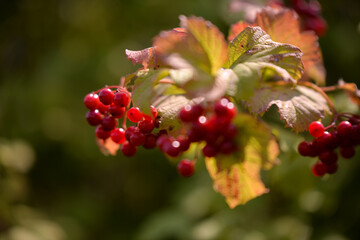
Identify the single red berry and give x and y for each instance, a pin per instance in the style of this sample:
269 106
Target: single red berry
94 117
304 148
137 138
150 141
146 125
134 114
102 133
129 131
332 168
324 141
186 168
118 135
106 96
109 123
319 169
335 140
344 129
317 24
121 99
198 130
316 129
184 143
347 152
328 157
116 111
91 101
185 114
209 150
128 149
173 149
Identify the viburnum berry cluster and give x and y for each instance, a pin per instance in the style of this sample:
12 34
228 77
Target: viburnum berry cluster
345 136
107 107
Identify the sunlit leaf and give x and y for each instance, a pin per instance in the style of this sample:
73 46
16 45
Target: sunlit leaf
283 26
298 105
237 177
145 57
351 89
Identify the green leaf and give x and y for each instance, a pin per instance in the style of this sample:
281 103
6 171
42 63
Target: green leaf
208 39
298 106
252 53
168 107
143 89
237 177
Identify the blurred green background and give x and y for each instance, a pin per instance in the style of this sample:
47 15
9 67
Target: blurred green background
54 182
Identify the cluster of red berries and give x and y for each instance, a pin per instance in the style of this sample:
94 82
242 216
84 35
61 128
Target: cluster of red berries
310 13
345 136
105 110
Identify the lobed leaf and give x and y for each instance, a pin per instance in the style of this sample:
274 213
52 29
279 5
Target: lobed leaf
298 105
283 26
254 45
145 57
237 177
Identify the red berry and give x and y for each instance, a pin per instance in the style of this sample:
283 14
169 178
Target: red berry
328 157
184 143
230 131
317 24
154 112
198 130
316 129
128 149
150 141
109 123
209 150
129 131
347 152
146 125
121 99
106 96
116 111
137 138
319 169
344 129
134 114
94 117
324 141
173 149
102 133
118 135
186 115
304 148
186 168
91 101
163 142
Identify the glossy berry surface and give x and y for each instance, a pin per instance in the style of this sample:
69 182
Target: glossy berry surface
146 125
106 96
137 138
186 168
91 101
316 129
102 133
94 117
150 141
116 111
128 149
134 114
344 129
121 99
109 123
129 131
118 135
304 148
319 169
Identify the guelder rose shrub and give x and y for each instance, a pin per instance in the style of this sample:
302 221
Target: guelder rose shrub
199 96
